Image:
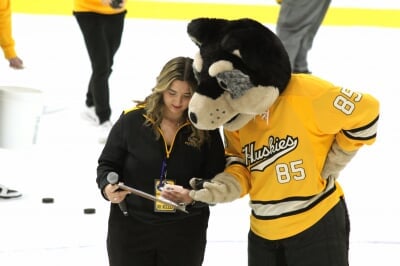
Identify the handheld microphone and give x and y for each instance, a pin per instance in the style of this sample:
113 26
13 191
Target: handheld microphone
112 178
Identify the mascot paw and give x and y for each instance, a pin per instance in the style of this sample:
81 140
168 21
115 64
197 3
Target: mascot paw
198 183
222 188
336 160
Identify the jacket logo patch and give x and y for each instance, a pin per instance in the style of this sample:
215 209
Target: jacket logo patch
192 141
267 154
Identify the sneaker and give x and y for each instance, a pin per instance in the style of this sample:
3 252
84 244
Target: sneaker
105 129
6 193
89 115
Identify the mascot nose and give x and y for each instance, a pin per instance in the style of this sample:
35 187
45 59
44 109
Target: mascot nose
193 117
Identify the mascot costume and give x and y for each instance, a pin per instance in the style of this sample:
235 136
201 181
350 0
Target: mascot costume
287 138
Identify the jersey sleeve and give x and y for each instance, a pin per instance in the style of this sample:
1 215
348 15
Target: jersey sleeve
7 42
351 116
235 163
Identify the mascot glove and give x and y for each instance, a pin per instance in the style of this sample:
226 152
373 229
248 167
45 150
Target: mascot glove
222 188
336 160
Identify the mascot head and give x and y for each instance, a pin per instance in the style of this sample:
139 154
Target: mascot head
242 67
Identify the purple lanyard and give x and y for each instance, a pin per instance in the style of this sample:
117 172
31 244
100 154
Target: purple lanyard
163 175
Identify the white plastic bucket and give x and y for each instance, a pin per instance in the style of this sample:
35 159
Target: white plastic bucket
20 112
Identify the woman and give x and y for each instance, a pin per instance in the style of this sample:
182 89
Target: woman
151 145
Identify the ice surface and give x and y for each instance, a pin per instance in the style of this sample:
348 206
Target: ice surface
63 161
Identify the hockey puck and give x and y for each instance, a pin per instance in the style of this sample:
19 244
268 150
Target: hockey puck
89 210
47 200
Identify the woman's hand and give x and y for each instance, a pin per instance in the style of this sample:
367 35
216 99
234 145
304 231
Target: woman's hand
114 194
177 194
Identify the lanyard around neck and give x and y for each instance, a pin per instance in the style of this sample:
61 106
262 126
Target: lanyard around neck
163 174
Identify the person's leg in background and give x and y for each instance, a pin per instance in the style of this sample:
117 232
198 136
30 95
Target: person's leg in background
297 25
102 35
97 96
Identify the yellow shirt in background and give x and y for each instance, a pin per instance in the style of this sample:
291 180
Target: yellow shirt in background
96 6
7 43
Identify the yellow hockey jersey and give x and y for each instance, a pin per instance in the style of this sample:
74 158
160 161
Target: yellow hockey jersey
278 157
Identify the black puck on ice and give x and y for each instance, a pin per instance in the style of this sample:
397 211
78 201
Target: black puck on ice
47 200
89 210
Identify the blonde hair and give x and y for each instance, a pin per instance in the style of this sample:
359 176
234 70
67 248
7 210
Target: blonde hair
178 68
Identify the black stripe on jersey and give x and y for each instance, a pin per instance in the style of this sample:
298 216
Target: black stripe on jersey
363 133
307 205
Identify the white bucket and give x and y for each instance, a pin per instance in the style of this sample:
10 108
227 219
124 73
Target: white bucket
20 112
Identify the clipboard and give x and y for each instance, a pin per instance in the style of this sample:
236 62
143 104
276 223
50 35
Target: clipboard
152 197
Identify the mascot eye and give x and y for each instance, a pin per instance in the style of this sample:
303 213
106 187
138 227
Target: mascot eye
235 82
222 84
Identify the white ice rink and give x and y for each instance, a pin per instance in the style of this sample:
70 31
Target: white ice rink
62 163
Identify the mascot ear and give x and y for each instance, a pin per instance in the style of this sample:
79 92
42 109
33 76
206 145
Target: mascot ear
266 63
259 49
256 52
205 30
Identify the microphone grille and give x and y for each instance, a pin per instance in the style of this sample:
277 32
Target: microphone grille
112 177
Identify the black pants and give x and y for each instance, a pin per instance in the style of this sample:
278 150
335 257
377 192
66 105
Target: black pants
131 242
102 35
324 244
